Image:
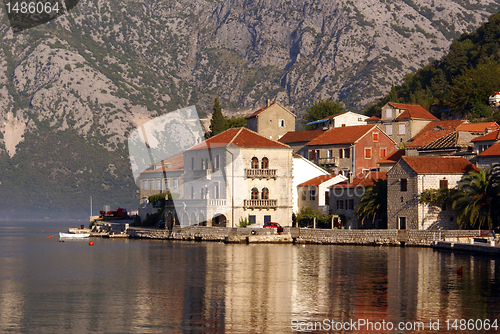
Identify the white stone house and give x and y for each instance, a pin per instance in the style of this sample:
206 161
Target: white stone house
303 170
409 178
315 193
237 175
347 118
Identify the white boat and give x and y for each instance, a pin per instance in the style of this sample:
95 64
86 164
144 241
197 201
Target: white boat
74 235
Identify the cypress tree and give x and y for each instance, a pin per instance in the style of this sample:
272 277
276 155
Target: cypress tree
218 122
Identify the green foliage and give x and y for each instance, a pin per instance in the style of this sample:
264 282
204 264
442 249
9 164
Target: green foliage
244 222
477 200
322 109
305 218
218 122
236 122
158 200
462 80
374 202
436 197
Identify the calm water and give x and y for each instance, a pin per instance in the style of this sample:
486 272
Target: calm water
142 286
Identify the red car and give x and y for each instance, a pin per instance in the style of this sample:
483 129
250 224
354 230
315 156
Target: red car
277 226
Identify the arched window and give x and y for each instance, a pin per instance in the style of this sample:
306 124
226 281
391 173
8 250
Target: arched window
255 193
265 163
255 163
265 193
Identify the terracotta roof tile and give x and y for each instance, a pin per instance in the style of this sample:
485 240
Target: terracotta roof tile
439 165
478 127
452 140
342 135
492 151
413 111
393 157
260 110
241 137
494 135
373 118
443 125
298 136
317 180
427 137
363 180
172 164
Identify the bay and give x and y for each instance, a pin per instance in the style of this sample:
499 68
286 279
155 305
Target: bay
155 286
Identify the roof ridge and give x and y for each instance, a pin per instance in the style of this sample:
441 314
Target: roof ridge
234 137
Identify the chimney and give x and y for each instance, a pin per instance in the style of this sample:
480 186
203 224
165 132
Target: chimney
350 177
268 102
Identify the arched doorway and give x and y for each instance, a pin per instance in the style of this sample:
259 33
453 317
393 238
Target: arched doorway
219 220
202 219
185 219
194 219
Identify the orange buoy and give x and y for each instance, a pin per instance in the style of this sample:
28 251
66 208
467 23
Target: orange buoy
91 243
50 237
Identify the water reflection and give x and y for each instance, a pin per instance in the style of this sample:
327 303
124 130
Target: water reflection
157 286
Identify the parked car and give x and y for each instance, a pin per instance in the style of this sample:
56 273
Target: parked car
277 226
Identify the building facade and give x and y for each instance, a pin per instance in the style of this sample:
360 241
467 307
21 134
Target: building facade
272 121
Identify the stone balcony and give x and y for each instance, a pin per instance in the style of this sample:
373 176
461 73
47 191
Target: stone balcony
261 173
260 204
328 161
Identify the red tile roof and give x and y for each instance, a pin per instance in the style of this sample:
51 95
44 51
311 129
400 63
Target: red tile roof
439 165
318 180
444 125
424 138
393 157
495 135
413 111
373 118
241 137
172 164
478 127
260 110
363 180
492 151
298 136
342 135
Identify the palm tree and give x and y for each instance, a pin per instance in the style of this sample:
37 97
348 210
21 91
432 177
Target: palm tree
476 200
374 202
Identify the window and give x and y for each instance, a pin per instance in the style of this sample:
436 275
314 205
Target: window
388 113
402 223
330 153
265 163
192 163
158 184
176 184
375 136
404 184
167 183
347 153
383 152
281 123
265 193
327 198
151 184
388 129
251 219
443 184
202 164
255 193
216 190
340 204
217 161
145 184
192 192
267 219
351 204
312 195
304 195
402 128
341 153
255 163
368 153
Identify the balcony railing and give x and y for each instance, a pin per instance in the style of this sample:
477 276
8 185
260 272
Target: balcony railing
261 173
260 203
216 202
328 161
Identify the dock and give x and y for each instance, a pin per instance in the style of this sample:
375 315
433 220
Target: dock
486 249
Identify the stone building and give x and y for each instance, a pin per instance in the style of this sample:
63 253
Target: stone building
347 118
403 121
409 178
351 149
236 175
272 121
345 197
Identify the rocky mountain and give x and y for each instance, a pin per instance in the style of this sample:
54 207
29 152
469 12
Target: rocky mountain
74 89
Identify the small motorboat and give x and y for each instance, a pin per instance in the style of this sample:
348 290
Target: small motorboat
74 235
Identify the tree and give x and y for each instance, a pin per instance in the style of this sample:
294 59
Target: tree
477 199
374 202
218 122
322 109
